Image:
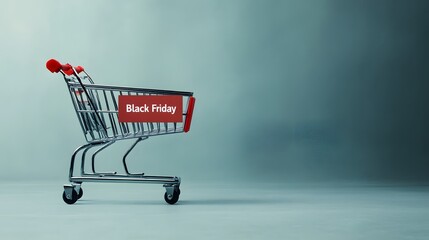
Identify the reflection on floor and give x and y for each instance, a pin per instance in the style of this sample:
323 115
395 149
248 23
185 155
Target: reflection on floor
265 211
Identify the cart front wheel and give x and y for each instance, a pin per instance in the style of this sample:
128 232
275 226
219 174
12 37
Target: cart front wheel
172 198
72 198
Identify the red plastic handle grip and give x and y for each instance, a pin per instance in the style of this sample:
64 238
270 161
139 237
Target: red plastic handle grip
54 66
189 113
78 69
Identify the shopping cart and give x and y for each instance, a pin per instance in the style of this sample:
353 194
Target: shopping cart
96 108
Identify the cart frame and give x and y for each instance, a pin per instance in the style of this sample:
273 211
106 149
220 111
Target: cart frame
98 117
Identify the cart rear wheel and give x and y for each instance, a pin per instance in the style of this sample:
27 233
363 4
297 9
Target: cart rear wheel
172 198
80 194
74 197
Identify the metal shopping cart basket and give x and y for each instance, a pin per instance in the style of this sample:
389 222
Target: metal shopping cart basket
97 111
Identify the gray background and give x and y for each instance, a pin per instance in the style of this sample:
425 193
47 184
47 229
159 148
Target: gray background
286 90
310 122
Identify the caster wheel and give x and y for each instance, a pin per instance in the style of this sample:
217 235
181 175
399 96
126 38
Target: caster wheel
172 199
80 194
74 197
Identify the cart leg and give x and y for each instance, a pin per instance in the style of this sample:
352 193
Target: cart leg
89 145
128 152
83 158
93 160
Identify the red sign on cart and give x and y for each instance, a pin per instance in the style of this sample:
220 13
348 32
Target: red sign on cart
150 108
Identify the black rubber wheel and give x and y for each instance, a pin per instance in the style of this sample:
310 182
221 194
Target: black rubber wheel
80 194
73 199
173 198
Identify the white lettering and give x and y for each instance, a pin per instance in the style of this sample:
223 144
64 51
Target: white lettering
133 108
163 108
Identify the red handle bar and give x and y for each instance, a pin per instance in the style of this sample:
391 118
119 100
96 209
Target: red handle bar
54 66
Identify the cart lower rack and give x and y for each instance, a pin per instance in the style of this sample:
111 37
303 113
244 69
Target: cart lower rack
96 108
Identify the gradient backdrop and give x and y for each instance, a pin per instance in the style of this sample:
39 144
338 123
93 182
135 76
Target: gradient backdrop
286 90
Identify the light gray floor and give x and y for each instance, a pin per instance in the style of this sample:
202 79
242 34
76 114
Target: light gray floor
215 211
